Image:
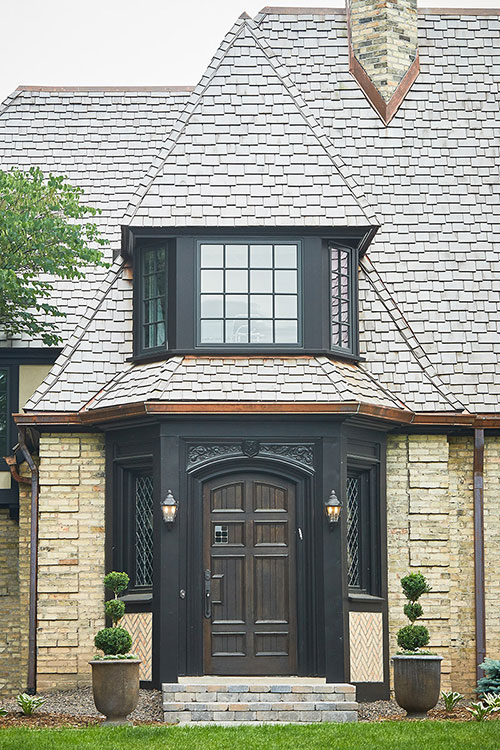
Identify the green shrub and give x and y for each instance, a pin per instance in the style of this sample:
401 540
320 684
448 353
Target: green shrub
29 703
490 683
413 637
414 585
117 582
113 641
115 609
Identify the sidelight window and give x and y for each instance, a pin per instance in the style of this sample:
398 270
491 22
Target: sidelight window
143 530
249 293
363 531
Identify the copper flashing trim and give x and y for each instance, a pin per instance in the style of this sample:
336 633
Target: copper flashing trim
479 590
11 462
83 89
129 411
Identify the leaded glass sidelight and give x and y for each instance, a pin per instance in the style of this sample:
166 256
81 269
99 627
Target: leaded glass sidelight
249 293
154 288
4 411
143 530
353 529
342 302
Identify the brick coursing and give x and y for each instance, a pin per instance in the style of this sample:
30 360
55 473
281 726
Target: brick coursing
384 40
492 544
9 606
430 529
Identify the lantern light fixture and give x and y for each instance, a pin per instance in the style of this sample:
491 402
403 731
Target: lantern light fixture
169 509
333 506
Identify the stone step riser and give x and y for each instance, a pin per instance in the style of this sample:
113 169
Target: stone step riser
262 706
257 697
249 717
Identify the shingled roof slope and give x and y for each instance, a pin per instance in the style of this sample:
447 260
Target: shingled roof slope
429 291
103 140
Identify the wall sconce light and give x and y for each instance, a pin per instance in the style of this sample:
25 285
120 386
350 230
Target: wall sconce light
169 509
333 507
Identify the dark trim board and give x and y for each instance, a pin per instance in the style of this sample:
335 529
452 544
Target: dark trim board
309 452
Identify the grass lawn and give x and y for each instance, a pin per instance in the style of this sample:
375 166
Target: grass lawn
425 735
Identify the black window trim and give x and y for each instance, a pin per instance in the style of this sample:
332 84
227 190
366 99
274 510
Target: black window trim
370 547
353 349
183 297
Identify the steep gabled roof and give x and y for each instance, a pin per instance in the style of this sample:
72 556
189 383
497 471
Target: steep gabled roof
247 150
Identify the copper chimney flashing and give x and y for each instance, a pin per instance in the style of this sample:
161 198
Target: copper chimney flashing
383 51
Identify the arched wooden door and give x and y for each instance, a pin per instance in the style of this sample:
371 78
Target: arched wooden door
250 622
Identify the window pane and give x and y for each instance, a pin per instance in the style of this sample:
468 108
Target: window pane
212 256
261 281
286 306
154 297
286 331
236 305
285 256
236 281
353 559
261 305
236 256
4 414
212 281
256 287
236 331
261 256
285 281
341 306
143 531
212 306
211 332
261 331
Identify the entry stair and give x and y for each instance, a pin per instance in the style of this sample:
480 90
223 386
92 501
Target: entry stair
257 700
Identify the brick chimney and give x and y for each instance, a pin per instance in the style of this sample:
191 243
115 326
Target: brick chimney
383 52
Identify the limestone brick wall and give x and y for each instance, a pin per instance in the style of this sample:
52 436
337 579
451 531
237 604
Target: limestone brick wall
71 556
492 544
430 529
10 680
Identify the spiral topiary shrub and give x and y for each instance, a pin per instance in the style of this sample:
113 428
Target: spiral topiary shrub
412 638
114 641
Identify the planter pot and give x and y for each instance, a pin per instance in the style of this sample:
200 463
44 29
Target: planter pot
417 682
115 685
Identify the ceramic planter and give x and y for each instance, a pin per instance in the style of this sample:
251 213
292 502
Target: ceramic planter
115 685
417 682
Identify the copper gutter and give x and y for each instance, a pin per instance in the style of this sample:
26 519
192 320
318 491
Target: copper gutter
11 462
479 588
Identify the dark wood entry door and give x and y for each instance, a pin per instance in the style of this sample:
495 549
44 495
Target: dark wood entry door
249 575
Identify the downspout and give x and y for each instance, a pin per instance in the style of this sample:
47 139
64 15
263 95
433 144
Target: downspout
32 616
479 591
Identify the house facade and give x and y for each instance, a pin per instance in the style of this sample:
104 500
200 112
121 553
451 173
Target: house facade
283 394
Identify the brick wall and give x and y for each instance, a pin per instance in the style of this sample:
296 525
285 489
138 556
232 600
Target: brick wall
10 679
430 529
492 544
71 558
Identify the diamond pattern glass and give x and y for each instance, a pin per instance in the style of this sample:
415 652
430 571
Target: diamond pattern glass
144 531
353 571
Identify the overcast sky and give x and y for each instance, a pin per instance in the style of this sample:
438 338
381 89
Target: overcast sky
132 42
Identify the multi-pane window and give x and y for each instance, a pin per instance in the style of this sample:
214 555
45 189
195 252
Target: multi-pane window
4 411
353 528
154 293
249 293
143 530
342 307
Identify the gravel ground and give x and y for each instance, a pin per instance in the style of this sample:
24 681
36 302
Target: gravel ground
80 703
377 710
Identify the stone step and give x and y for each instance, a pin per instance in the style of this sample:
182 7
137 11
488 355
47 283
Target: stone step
258 700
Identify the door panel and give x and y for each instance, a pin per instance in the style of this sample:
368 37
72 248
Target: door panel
249 563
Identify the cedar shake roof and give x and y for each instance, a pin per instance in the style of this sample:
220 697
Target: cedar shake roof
429 287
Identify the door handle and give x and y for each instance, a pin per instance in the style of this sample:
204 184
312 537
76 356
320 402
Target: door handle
207 597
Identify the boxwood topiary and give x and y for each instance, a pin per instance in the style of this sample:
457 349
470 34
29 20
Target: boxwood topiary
412 638
114 641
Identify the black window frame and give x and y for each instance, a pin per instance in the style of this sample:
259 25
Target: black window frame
353 299
167 246
125 526
369 529
183 297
